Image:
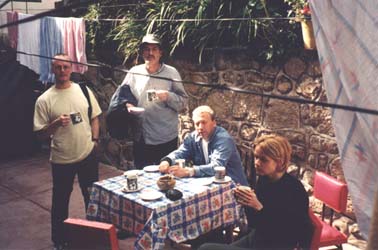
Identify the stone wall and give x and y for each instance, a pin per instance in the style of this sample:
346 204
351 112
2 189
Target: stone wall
246 116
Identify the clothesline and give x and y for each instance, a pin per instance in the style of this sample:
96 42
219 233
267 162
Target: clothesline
228 88
168 20
78 6
194 19
45 13
4 3
14 9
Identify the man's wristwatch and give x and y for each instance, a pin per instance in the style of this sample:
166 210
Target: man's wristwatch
191 172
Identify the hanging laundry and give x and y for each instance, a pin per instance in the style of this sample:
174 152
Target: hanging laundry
29 42
51 41
62 35
3 20
346 39
74 42
47 37
12 16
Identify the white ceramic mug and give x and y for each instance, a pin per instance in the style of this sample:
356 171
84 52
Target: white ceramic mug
76 117
132 181
151 95
220 172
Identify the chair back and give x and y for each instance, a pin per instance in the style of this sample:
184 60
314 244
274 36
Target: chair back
84 234
246 156
317 227
330 191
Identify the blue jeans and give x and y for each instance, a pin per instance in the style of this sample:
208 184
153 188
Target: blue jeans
63 178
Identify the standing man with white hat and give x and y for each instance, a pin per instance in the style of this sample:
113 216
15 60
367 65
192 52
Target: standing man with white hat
158 89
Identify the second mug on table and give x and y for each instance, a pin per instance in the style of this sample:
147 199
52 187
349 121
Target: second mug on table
132 182
220 172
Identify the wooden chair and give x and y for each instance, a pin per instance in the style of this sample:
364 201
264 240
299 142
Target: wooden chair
85 235
333 194
246 155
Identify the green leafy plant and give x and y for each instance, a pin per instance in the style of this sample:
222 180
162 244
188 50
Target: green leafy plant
202 26
300 9
93 27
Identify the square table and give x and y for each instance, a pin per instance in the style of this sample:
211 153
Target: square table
201 209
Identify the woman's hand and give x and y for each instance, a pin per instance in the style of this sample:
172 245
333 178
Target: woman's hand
247 197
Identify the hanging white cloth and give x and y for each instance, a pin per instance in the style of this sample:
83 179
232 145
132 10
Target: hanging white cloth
3 20
29 42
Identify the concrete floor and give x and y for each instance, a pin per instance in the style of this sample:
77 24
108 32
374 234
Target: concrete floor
25 201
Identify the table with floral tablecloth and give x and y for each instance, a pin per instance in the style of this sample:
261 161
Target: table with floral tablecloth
201 209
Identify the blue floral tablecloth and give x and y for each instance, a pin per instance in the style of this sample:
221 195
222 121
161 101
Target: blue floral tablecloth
202 209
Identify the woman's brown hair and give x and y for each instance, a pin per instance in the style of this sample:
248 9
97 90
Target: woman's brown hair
276 147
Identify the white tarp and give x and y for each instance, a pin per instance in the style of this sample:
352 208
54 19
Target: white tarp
347 42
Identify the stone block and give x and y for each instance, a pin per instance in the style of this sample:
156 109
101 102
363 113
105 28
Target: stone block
335 168
314 68
247 107
221 102
248 132
281 114
254 77
309 88
295 67
284 85
270 70
299 152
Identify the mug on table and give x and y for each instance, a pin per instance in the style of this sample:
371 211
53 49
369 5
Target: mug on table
220 173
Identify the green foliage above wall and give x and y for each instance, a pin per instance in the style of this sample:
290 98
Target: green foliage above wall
199 26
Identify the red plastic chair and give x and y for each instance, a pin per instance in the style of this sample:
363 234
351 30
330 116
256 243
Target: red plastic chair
84 234
333 194
317 230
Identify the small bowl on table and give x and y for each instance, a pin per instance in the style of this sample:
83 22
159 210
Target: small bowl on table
166 182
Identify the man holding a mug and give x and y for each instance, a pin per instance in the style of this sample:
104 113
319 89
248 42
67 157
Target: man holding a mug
61 114
208 147
157 89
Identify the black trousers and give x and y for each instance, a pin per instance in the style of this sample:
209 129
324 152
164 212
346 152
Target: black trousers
63 178
145 154
245 243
